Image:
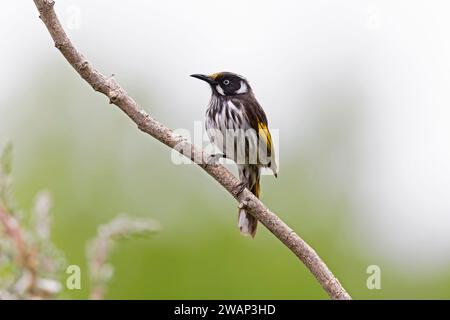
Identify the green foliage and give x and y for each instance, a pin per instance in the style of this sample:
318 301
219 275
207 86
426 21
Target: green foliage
6 159
5 179
30 263
31 266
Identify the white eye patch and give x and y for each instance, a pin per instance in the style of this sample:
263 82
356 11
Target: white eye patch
220 90
242 89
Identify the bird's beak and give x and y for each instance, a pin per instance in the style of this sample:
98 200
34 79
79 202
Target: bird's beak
204 77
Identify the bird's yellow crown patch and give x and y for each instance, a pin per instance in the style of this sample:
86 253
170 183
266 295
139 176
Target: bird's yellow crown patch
214 76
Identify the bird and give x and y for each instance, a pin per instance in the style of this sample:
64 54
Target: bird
237 124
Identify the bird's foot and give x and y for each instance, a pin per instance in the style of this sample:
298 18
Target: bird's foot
240 187
212 159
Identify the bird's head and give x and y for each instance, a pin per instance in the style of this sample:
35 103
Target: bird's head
225 83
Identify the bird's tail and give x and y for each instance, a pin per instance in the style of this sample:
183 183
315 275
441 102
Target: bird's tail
246 222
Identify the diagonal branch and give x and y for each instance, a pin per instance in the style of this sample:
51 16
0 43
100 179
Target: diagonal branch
147 124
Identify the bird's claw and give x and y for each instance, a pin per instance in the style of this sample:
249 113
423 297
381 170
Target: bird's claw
213 158
240 187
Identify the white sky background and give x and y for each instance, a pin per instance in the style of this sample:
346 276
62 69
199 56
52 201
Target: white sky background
392 56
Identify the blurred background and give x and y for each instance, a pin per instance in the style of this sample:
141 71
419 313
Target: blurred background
359 91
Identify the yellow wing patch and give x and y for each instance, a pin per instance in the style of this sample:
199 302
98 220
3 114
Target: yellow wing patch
265 134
